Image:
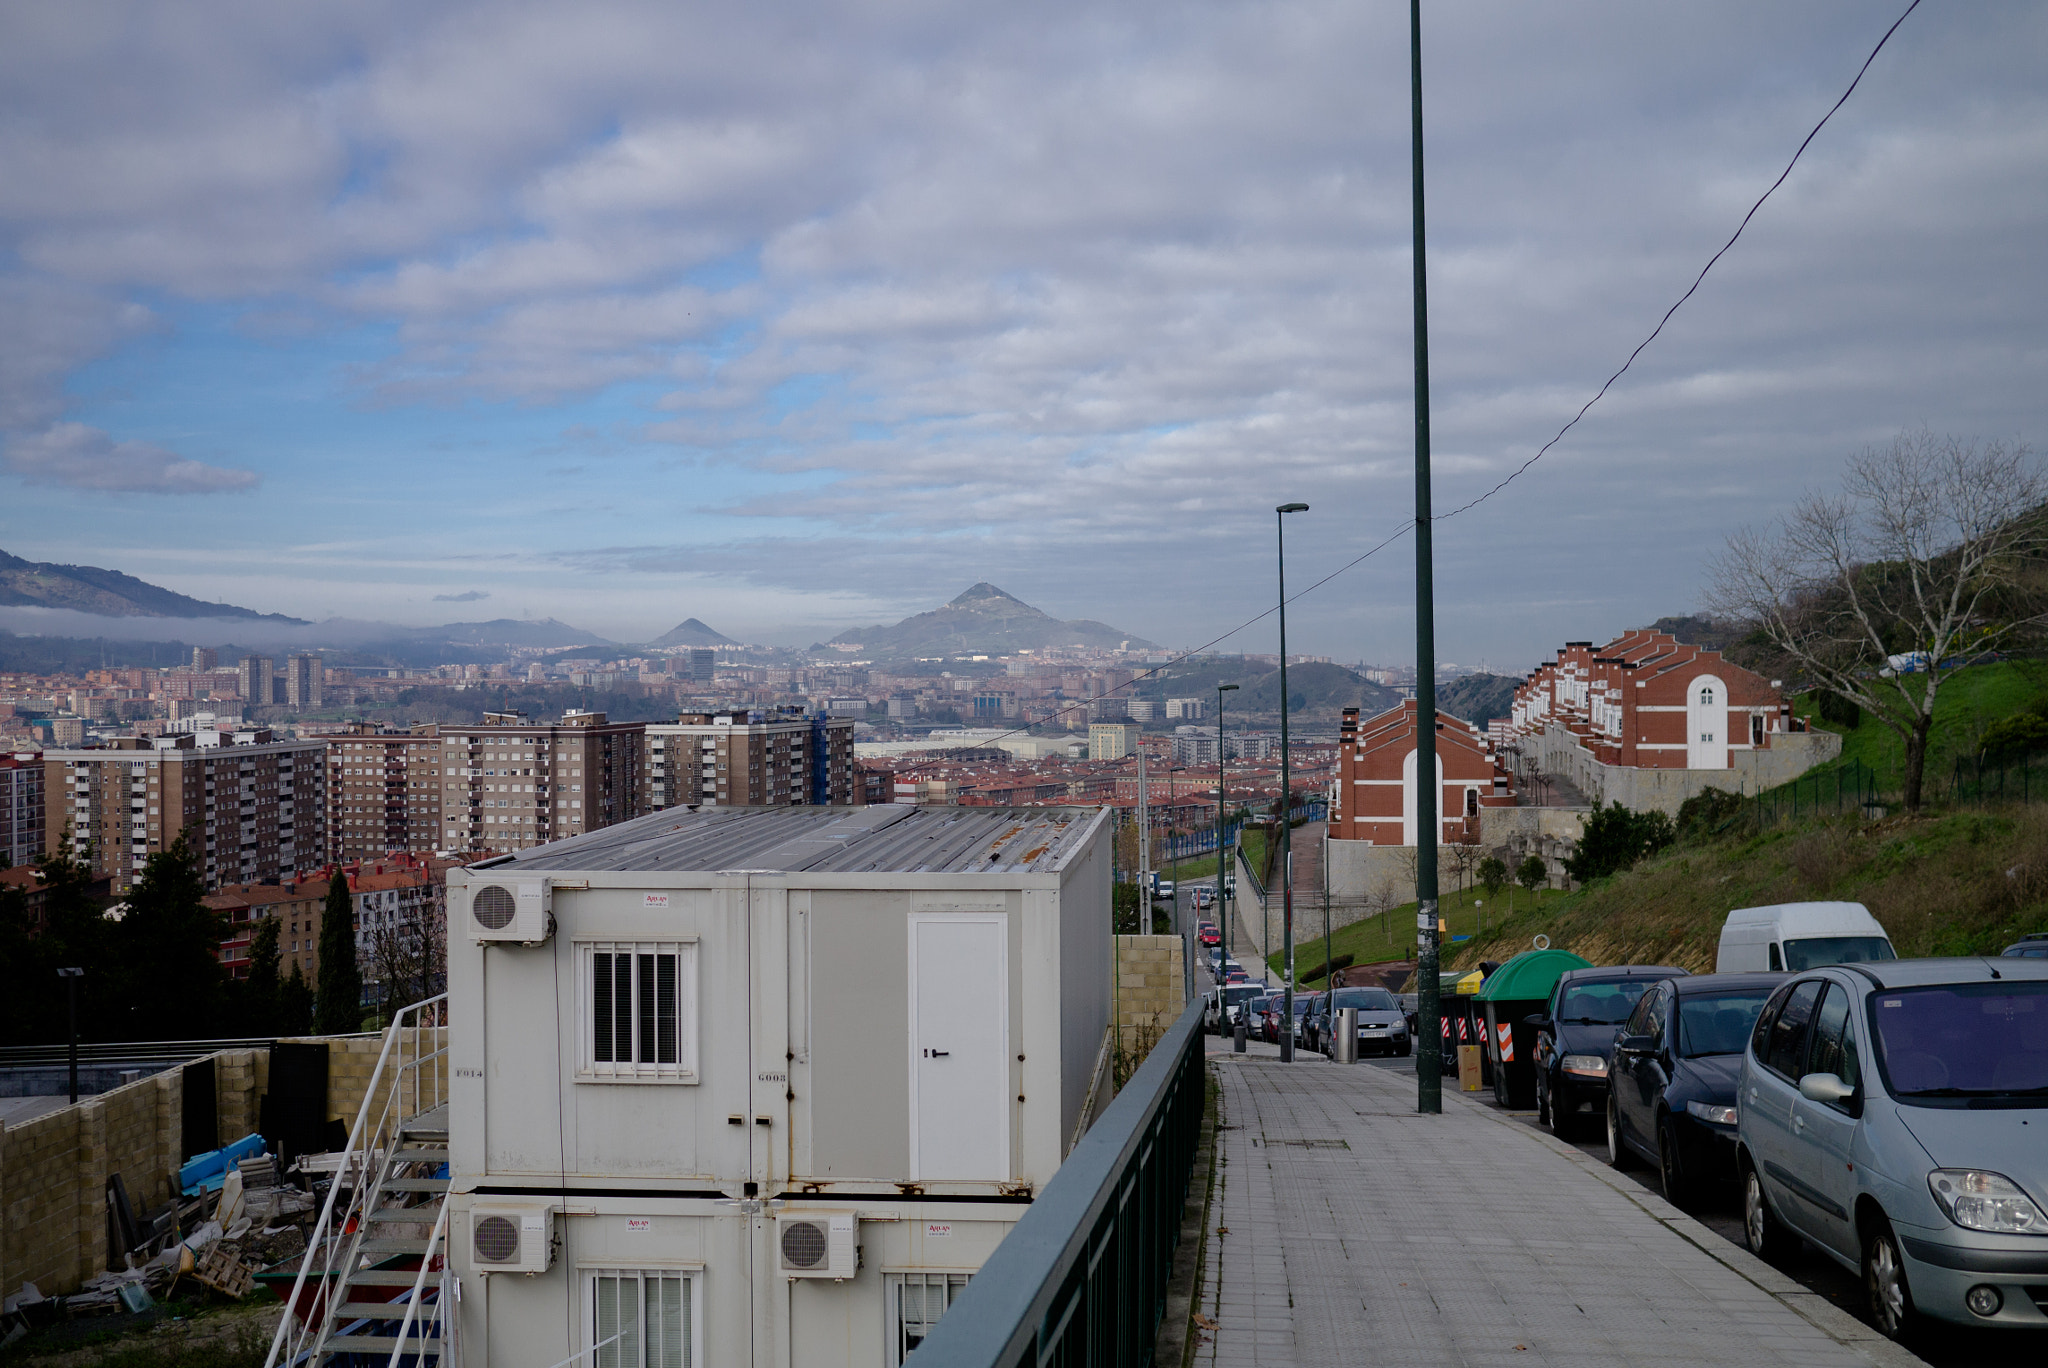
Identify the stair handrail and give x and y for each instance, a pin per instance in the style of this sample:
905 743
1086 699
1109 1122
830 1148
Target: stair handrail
412 1301
319 1243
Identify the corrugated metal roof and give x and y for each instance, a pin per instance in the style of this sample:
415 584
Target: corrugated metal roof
884 839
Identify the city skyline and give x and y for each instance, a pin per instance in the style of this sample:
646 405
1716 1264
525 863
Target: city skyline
796 324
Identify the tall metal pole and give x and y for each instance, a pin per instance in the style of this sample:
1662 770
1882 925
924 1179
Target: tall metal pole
1144 845
71 978
1222 824
1286 809
1429 1082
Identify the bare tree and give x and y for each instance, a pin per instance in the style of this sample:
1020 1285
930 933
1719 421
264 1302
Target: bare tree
409 957
1922 562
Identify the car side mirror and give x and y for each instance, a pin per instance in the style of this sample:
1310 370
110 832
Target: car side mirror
1538 1020
1826 1087
1637 1044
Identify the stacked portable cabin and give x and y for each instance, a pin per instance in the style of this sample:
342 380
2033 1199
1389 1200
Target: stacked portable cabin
764 1086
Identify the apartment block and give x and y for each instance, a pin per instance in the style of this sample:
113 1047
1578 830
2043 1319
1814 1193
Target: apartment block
384 792
1112 740
1185 709
513 783
21 807
295 904
303 676
252 807
255 677
750 759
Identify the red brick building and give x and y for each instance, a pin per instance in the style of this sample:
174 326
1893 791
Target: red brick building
1375 781
1646 700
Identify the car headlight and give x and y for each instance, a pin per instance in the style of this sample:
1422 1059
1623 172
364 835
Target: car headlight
1585 1064
1977 1200
1720 1116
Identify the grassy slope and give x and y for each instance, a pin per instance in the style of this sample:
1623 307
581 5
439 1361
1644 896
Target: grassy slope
1970 700
1951 884
1466 913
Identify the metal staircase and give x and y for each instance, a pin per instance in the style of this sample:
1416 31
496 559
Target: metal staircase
370 1288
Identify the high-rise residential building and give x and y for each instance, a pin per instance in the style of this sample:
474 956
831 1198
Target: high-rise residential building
21 807
254 678
1184 709
251 807
384 792
703 666
304 673
1112 740
204 659
740 759
513 783
1141 710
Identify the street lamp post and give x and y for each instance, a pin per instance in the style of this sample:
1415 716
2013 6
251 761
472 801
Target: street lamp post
1222 823
71 978
1286 807
1428 788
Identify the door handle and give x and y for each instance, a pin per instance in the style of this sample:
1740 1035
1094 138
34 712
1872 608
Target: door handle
940 1054
1798 1123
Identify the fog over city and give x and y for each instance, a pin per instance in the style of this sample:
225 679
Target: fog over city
799 317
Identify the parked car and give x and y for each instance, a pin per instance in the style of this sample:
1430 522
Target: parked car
1894 1115
1205 896
1304 1003
1208 934
1382 1024
1575 1038
1676 1064
1162 889
1226 1003
2029 947
1799 936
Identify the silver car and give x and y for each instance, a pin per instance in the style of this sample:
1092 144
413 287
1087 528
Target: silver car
1896 1115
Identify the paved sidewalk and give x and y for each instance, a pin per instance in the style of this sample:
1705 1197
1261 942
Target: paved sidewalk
1346 1229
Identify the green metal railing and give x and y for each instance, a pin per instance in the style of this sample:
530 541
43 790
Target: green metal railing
1982 782
1081 1281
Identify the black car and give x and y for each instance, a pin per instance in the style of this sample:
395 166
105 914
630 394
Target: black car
1382 1025
1677 1061
1575 1038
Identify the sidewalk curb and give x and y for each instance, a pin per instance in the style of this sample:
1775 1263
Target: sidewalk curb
1815 1310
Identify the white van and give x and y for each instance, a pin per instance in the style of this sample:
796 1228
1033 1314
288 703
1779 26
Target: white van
1800 936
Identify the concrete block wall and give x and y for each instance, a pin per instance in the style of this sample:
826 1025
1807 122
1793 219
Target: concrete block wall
54 1169
351 1060
1150 987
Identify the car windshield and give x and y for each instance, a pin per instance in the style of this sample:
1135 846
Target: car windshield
1602 1004
1365 999
1717 1023
1302 1004
1239 993
1812 953
1964 1040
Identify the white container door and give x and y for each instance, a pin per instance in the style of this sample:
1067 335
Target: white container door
959 1046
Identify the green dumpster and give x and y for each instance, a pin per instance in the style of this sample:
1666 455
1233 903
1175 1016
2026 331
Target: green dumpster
1514 991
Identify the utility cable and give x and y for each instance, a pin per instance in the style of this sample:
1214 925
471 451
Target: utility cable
1655 332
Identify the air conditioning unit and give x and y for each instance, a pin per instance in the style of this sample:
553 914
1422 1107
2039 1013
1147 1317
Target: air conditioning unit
517 911
512 1237
817 1244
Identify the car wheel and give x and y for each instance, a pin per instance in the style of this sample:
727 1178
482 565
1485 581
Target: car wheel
1407 1048
1542 1102
1678 1188
1765 1235
1884 1283
1562 1121
1618 1153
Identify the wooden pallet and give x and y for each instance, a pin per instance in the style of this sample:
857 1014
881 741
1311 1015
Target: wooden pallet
225 1273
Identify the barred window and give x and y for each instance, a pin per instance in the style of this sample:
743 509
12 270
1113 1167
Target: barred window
642 1319
916 1301
639 1010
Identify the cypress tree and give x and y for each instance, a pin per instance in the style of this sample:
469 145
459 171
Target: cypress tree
295 1004
165 964
339 1007
260 989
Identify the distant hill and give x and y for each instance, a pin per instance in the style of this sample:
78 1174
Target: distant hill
109 593
1477 697
1315 686
691 632
512 632
983 621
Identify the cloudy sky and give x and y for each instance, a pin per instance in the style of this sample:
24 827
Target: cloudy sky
793 317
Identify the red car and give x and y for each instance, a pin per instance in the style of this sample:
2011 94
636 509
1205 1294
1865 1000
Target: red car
1210 935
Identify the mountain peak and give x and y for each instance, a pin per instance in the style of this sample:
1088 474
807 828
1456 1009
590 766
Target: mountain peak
983 592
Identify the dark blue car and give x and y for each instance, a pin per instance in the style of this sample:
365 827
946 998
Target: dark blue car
1575 1038
1672 1094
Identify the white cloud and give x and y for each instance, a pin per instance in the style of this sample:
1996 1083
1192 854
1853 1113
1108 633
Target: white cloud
86 458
